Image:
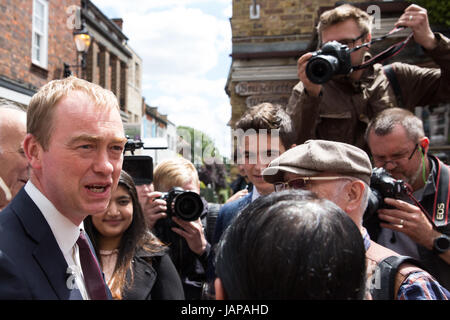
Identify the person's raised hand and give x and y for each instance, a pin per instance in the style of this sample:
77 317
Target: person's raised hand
416 18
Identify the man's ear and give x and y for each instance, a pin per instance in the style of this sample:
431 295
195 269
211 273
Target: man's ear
33 151
354 193
424 143
220 292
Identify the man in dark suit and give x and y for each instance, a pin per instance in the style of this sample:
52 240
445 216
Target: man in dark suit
74 146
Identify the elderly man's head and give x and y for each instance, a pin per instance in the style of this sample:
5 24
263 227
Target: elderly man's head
333 170
14 164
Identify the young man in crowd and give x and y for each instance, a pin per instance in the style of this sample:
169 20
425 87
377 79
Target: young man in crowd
263 132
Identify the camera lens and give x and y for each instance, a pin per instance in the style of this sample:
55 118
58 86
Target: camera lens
188 206
321 68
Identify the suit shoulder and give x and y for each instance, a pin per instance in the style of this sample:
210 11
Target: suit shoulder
9 223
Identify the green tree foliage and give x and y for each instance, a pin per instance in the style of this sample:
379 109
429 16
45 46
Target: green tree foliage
438 11
206 158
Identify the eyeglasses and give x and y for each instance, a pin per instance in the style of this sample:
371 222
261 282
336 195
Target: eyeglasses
396 158
300 183
351 42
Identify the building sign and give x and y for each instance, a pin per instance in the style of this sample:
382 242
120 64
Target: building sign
256 92
264 88
274 99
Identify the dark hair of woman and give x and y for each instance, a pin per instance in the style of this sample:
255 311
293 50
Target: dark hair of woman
292 245
135 237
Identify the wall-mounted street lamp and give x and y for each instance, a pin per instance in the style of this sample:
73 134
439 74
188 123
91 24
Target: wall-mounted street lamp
82 42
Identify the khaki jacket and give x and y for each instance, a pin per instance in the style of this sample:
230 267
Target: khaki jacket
344 107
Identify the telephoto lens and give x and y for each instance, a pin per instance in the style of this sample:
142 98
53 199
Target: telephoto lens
321 68
186 205
333 58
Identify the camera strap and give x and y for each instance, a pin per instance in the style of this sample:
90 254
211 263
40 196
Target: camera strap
417 203
388 53
441 198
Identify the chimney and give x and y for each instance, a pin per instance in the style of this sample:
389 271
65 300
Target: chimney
118 22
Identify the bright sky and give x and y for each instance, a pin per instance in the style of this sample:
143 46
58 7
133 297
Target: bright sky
185 47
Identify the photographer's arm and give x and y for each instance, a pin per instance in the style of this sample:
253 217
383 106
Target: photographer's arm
410 220
303 106
312 89
423 86
416 18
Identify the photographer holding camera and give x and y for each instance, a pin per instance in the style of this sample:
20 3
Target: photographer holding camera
398 144
177 215
339 109
341 173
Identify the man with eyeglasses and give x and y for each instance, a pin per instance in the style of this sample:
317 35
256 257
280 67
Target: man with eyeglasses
340 109
341 173
398 143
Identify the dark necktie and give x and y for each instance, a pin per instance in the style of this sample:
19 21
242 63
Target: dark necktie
93 278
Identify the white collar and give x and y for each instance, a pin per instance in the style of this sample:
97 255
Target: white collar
255 194
66 233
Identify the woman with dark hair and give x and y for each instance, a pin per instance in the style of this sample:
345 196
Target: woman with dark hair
134 261
291 245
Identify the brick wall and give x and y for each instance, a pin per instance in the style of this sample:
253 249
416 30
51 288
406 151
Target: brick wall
16 37
276 18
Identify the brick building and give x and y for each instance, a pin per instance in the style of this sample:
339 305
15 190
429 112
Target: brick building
37 40
268 37
34 43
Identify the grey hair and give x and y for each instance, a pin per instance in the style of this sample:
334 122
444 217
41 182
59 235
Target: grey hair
385 122
9 105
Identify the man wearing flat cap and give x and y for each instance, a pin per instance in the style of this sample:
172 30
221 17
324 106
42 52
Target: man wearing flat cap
341 173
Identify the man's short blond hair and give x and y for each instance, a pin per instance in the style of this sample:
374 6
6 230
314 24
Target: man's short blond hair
174 172
343 13
41 108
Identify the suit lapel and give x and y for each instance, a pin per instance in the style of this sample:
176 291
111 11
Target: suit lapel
47 252
54 265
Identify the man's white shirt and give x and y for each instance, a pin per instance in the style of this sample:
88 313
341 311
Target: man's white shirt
66 234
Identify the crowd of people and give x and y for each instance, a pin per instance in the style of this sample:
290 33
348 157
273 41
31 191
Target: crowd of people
74 225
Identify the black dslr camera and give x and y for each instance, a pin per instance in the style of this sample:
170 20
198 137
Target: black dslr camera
186 205
382 185
333 58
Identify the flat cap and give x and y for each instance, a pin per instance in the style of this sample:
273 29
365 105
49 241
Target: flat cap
318 156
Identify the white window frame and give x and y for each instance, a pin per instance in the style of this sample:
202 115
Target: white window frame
42 60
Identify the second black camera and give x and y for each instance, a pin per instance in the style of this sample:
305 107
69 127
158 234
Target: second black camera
186 205
383 185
